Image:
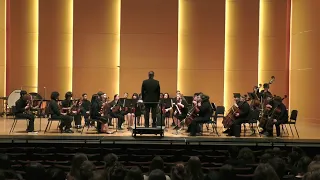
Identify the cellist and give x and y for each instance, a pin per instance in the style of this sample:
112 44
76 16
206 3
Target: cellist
180 110
277 115
205 112
240 117
116 111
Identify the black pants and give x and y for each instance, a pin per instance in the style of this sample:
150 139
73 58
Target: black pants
65 121
30 117
153 108
194 126
101 120
86 118
235 129
77 119
270 130
119 116
160 121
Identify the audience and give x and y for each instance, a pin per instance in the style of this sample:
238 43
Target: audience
275 164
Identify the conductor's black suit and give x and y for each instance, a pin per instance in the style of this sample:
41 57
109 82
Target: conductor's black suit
150 91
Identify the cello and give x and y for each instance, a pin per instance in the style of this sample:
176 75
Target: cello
230 117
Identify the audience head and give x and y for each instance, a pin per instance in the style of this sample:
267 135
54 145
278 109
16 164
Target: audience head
94 98
233 151
194 168
76 163
134 173
213 175
293 157
314 166
316 158
227 172
246 155
303 164
56 174
178 172
117 172
86 170
277 151
265 172
156 163
265 158
157 174
110 159
278 165
35 171
2 175
312 175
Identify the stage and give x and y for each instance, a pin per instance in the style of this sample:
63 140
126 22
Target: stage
309 136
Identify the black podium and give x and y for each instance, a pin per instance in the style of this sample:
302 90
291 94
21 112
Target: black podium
159 130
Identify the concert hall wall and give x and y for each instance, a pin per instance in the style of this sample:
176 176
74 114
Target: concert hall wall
215 46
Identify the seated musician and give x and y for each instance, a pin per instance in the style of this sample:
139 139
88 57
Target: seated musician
205 113
85 108
134 110
178 92
240 117
21 108
54 110
180 110
96 113
124 103
116 111
69 106
102 100
167 104
277 116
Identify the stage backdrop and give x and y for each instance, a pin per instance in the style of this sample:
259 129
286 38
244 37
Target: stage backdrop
217 47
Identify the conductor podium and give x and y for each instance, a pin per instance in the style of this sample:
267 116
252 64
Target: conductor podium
155 130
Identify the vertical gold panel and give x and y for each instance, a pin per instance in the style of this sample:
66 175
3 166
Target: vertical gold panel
149 41
241 47
96 46
201 47
273 60
305 64
3 47
55 45
23 61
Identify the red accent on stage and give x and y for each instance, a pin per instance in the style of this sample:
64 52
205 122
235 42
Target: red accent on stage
7 47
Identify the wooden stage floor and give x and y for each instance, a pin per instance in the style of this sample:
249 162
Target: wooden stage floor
307 132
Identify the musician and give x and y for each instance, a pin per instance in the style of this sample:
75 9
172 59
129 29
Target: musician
134 110
102 100
167 104
125 102
278 116
161 96
150 91
54 110
180 110
95 113
67 104
265 92
85 108
116 111
241 116
20 111
205 113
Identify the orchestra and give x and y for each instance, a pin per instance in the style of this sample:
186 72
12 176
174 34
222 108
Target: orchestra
185 111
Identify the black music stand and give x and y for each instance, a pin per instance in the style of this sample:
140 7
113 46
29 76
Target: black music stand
251 95
147 130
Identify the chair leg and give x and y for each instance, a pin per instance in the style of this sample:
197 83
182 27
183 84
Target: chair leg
12 126
296 131
291 130
50 125
286 129
214 128
47 127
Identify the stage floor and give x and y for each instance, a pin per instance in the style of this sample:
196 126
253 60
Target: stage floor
307 132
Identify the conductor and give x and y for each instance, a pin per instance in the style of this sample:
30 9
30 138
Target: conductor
150 91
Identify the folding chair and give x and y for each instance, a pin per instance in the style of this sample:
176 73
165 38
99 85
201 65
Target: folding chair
15 120
292 121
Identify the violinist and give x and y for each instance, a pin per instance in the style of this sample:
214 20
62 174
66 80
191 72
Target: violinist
124 101
85 108
277 115
134 110
68 105
20 111
240 117
103 100
205 113
180 110
95 113
116 111
54 110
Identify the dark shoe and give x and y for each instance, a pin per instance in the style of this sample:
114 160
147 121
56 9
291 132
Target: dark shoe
226 131
68 131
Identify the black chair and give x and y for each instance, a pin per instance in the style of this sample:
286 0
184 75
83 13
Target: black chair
50 120
252 121
15 120
292 121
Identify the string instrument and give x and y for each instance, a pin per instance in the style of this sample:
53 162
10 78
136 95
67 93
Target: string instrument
228 120
124 107
177 106
192 114
105 107
29 103
116 107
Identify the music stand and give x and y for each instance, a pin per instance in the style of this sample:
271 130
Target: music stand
251 95
147 130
